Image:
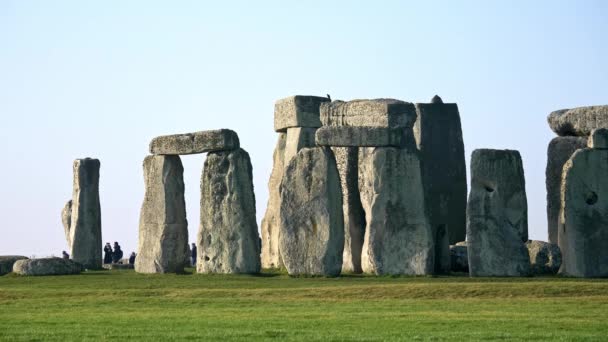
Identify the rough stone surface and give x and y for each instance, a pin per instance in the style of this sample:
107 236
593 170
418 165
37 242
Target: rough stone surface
297 139
545 257
312 223
85 225
578 121
438 136
46 266
388 113
497 216
347 161
363 136
560 149
228 239
398 237
297 111
163 228
583 226
66 220
271 257
598 138
197 142
459 261
7 261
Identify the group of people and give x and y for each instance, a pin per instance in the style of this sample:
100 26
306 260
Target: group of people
114 256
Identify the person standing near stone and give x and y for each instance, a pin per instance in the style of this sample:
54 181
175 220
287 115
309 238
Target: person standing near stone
65 255
193 254
107 256
117 253
132 258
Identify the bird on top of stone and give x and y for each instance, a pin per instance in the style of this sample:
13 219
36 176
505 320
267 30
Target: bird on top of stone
329 97
436 99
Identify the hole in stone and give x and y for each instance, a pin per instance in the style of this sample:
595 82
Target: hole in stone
591 198
488 189
206 258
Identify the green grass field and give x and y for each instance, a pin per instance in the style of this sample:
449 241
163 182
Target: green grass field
123 305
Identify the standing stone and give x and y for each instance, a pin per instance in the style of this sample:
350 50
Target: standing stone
297 139
163 228
228 239
545 257
66 220
197 142
271 258
312 224
398 237
297 111
497 215
347 160
583 227
578 121
559 151
85 225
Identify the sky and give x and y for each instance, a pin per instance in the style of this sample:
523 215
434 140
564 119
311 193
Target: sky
102 78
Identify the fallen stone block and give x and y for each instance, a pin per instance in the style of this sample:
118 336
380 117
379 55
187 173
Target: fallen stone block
197 142
7 262
46 266
388 113
545 257
297 111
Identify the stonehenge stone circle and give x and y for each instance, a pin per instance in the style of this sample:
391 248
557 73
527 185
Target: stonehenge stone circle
297 111
388 113
312 224
347 160
545 257
439 139
398 237
163 228
497 215
85 225
559 151
271 258
46 266
352 136
66 220
459 261
583 226
197 142
7 262
578 121
228 239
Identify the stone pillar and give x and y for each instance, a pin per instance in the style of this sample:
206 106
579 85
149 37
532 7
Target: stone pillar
497 215
85 223
163 228
583 225
228 239
297 139
66 220
439 139
312 224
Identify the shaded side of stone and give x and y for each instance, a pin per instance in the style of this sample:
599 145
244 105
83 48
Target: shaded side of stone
297 111
228 239
163 228
598 138
197 142
545 257
66 221
459 261
7 262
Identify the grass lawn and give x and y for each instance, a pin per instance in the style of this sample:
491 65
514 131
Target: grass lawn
122 305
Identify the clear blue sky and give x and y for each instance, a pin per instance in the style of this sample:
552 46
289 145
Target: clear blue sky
102 78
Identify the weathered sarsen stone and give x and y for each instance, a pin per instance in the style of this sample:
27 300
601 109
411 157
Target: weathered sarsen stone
7 261
297 139
312 224
578 121
228 239
197 142
559 151
347 160
85 225
545 257
438 136
163 228
297 111
398 237
389 113
583 226
497 215
46 266
271 222
66 220
353 136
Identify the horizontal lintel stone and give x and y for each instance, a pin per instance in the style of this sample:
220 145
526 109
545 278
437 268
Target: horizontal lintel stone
197 142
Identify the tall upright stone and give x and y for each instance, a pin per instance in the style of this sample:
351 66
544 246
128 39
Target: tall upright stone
312 225
398 237
559 151
271 258
583 226
228 239
66 220
163 228
438 136
85 224
347 160
497 215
